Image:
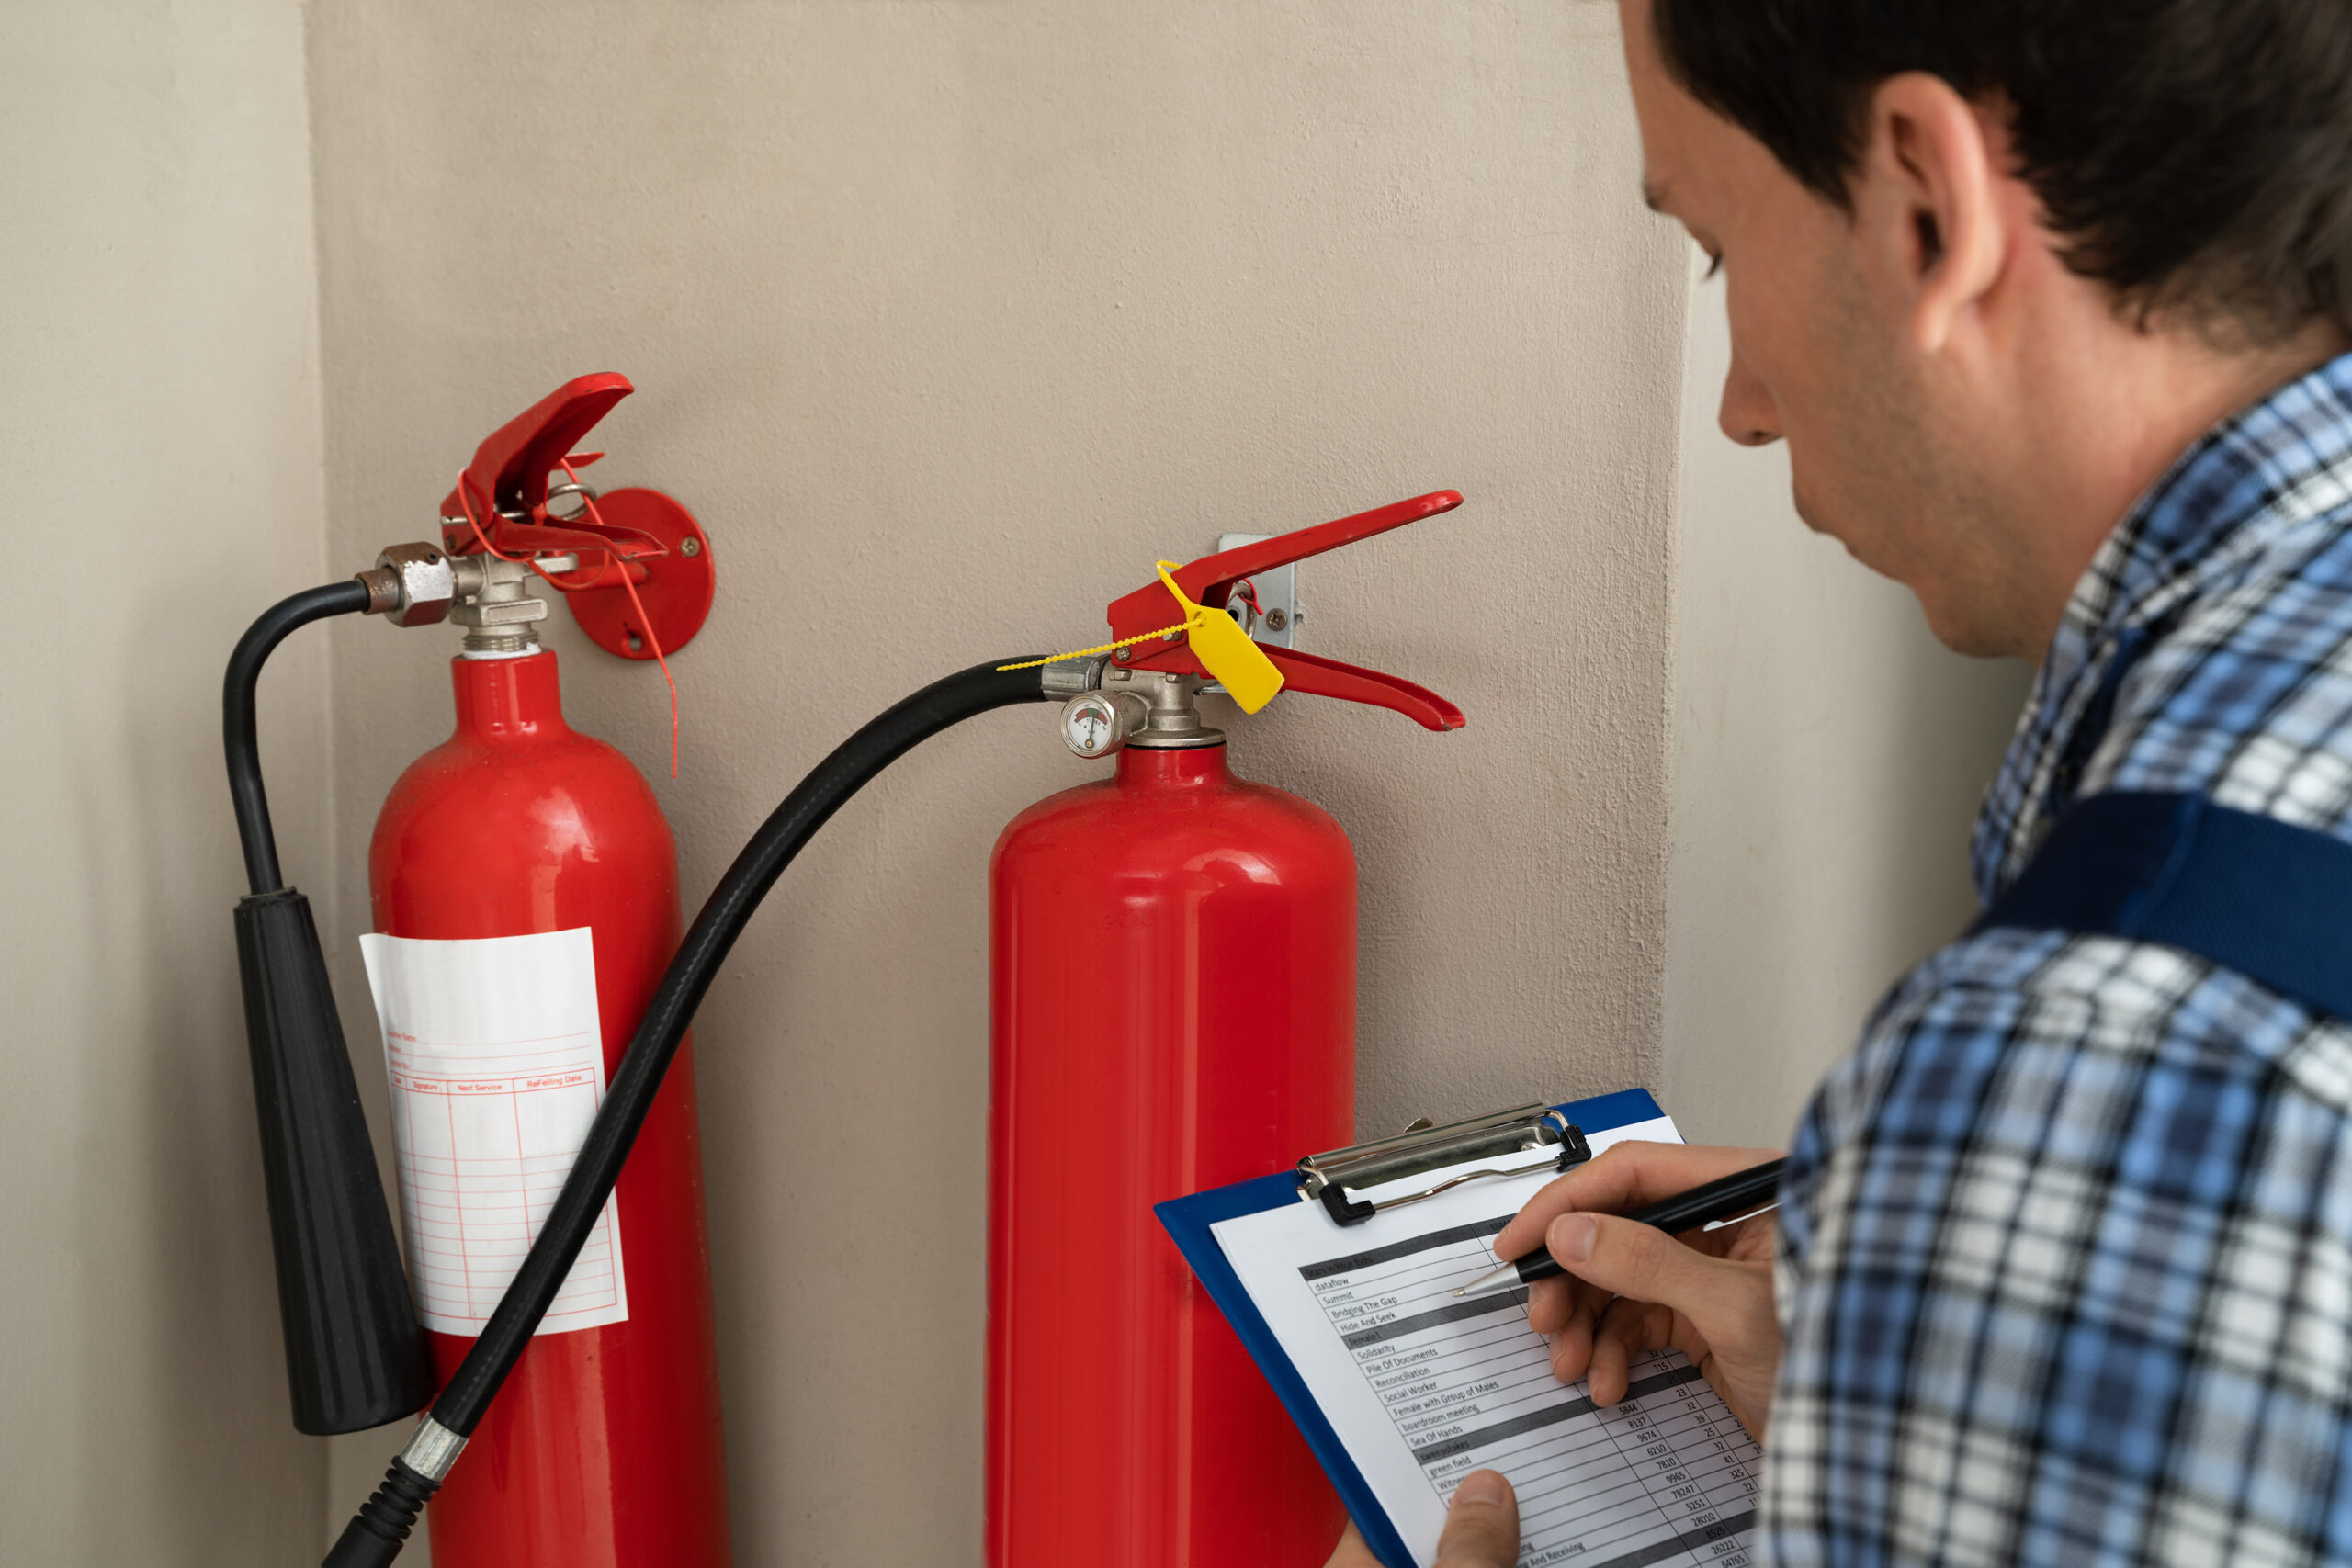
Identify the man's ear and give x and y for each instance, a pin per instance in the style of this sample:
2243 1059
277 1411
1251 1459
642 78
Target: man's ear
1929 198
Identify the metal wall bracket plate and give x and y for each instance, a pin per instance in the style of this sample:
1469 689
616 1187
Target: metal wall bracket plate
1277 597
1276 621
678 587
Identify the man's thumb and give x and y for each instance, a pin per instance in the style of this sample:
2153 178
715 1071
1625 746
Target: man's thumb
1633 1260
1482 1528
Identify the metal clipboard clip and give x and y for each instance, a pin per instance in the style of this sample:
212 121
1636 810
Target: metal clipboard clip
1525 1130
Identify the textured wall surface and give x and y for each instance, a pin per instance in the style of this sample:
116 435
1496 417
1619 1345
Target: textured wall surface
159 427
948 318
1829 759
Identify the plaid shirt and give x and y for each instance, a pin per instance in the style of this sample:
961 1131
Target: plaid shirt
2066 1275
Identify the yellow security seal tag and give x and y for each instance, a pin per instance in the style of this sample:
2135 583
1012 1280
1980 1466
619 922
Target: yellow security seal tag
1224 651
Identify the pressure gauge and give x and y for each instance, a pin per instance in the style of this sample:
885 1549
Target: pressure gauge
1099 723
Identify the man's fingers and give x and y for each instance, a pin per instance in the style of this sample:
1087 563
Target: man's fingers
1553 1302
1572 1345
1549 1303
1482 1526
1627 1329
1629 1259
1624 1177
1611 1181
1481 1530
1351 1552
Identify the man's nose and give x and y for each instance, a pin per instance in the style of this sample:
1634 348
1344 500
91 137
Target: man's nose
1748 414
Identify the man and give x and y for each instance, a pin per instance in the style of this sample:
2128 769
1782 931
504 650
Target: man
2052 303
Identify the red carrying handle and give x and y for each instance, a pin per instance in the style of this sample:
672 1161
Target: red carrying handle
1330 678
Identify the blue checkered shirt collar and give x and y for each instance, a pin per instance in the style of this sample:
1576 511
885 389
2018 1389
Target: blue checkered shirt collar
2228 499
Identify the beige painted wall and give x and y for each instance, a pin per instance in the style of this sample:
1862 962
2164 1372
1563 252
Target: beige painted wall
1829 759
159 429
948 318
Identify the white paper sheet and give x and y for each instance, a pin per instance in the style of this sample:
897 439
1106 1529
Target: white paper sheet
1424 1388
497 1065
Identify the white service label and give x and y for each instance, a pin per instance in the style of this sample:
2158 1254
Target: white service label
497 1066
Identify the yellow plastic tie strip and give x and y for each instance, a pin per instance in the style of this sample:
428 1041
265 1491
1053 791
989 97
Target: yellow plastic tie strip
1226 652
1090 652
1224 649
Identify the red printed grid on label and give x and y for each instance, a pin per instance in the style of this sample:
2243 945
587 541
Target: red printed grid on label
496 1063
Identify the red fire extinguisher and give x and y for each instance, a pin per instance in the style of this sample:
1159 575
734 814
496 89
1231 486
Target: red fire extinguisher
525 897
605 1448
1173 1006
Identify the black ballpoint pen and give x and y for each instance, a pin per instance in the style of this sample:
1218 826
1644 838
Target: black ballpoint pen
1735 1197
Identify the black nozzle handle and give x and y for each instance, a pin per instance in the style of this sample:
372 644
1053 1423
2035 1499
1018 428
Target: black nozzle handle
378 1531
354 1357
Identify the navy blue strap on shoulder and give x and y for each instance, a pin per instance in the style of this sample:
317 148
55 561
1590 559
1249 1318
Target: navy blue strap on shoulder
2268 900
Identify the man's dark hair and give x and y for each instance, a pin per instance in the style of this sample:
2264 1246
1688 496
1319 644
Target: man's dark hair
2194 155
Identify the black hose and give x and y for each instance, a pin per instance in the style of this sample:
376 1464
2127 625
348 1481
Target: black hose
371 1537
252 651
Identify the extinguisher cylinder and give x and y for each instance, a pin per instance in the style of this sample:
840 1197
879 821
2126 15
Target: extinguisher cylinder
374 1537
355 1356
850 767
1172 1001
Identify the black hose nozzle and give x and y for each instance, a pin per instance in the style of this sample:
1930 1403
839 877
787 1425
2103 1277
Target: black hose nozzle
354 1358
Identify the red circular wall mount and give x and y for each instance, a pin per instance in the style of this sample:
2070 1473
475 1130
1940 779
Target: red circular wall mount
677 589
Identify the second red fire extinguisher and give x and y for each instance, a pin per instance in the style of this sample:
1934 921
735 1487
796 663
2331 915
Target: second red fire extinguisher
1172 994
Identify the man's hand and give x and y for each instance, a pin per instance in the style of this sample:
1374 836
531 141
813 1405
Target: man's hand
1631 1288
1481 1530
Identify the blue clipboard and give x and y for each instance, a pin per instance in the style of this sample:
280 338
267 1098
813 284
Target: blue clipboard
1188 1221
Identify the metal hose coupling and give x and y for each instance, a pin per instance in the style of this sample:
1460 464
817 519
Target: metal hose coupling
381 1527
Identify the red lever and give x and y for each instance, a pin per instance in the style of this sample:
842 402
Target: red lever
504 488
511 467
1210 580
644 582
